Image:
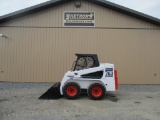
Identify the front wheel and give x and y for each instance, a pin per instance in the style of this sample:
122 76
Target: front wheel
71 90
96 91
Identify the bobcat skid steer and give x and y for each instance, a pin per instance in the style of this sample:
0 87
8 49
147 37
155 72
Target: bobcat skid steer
86 75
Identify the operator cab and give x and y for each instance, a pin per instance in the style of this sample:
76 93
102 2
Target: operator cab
85 61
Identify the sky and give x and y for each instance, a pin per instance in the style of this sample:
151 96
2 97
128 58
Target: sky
150 7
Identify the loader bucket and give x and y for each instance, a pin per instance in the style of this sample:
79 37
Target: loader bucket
52 93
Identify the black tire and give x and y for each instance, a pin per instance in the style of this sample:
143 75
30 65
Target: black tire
96 91
71 90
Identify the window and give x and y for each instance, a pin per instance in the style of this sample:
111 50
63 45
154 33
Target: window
84 63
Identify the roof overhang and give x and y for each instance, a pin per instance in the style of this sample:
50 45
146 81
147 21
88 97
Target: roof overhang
127 11
31 10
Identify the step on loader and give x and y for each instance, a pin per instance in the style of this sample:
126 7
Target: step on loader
86 75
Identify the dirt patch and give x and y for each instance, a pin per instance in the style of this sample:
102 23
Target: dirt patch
137 102
112 97
4 100
149 97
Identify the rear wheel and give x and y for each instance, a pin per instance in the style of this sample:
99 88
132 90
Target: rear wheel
71 90
96 91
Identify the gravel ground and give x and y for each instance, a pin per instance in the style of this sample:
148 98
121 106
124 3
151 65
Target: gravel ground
19 101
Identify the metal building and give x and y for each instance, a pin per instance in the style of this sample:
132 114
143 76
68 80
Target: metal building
38 44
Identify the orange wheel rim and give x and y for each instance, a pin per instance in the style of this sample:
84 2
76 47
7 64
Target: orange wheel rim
71 90
96 91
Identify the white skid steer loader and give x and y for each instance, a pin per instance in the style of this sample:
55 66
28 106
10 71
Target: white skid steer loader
86 75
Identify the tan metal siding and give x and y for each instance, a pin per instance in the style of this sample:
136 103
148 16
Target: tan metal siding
31 57
45 54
